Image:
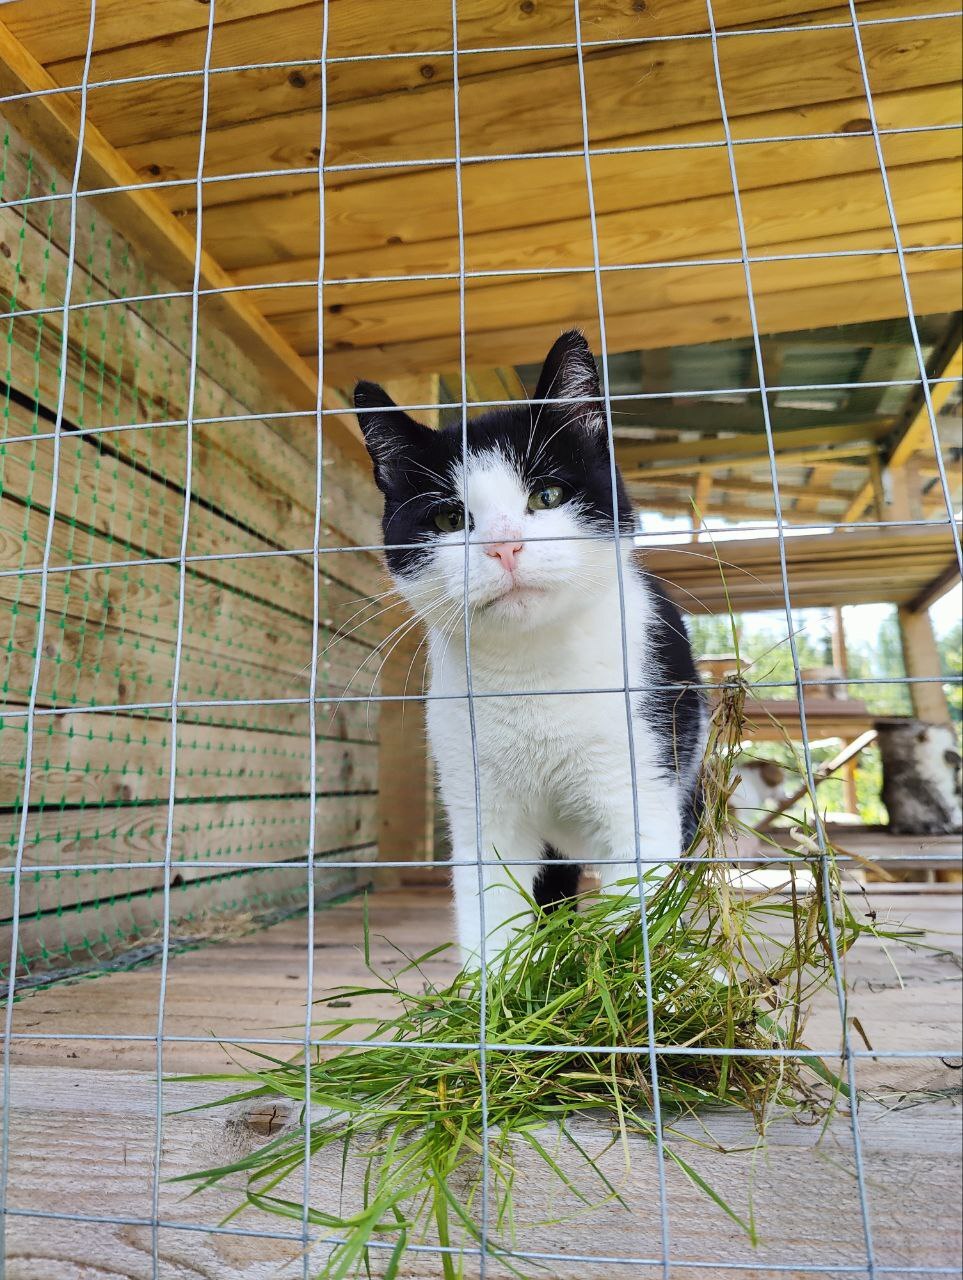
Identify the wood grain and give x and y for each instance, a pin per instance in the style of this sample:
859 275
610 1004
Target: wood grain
96 1111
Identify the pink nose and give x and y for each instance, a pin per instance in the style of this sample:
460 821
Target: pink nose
506 552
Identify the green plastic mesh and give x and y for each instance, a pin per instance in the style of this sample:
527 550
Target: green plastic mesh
98 794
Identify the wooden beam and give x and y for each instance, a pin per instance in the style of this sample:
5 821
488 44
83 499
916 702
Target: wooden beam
839 761
52 122
936 589
406 808
847 457
841 663
708 417
906 495
876 489
922 659
918 433
632 456
629 329
683 507
734 483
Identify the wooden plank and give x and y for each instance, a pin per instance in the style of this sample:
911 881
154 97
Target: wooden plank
676 89
53 125
406 802
248 29
380 320
142 602
879 844
638 457
872 566
399 221
934 291
84 757
625 239
201 907
841 456
842 211
918 433
143 349
238 989
735 483
108 1122
205 836
207 831
87 666
98 1114
95 528
251 39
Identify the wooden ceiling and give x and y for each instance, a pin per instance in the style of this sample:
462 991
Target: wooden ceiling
666 206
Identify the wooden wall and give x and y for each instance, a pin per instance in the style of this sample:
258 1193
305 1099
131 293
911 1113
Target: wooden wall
100 778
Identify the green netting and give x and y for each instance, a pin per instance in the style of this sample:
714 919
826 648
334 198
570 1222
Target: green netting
99 784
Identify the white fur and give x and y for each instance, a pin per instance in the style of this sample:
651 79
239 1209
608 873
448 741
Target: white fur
937 756
552 769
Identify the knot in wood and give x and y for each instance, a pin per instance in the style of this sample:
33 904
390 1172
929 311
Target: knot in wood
267 1118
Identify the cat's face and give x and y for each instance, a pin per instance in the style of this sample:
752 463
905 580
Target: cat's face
538 479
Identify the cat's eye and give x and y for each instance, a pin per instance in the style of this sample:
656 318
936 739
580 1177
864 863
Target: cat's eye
450 519
546 498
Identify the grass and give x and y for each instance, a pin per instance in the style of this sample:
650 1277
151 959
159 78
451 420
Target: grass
732 968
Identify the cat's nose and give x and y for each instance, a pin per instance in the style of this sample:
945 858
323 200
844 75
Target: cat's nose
506 552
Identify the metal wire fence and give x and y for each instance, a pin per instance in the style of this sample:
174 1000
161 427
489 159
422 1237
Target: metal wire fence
32 715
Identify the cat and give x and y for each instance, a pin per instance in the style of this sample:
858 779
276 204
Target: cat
543 600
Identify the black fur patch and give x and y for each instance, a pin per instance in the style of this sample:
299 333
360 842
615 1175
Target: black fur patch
673 701
413 468
556 882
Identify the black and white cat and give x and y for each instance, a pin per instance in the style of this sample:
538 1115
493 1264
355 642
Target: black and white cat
543 601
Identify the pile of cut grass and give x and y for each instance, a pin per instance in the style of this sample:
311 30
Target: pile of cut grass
571 995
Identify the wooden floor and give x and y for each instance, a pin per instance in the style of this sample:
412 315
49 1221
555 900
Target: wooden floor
82 1135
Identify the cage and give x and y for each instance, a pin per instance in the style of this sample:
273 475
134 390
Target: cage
214 218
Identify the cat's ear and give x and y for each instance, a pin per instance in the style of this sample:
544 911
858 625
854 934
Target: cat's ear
390 435
569 373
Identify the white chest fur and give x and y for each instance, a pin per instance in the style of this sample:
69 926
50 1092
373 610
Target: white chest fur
551 743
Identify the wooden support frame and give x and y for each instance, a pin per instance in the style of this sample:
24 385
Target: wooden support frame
690 455
839 761
916 437
922 659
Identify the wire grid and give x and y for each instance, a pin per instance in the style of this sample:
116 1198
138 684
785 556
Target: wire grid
176 705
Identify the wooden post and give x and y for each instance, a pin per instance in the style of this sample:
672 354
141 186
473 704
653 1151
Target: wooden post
840 662
922 658
406 818
920 654
876 483
906 490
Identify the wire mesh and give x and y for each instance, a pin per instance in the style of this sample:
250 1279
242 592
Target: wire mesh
117 594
